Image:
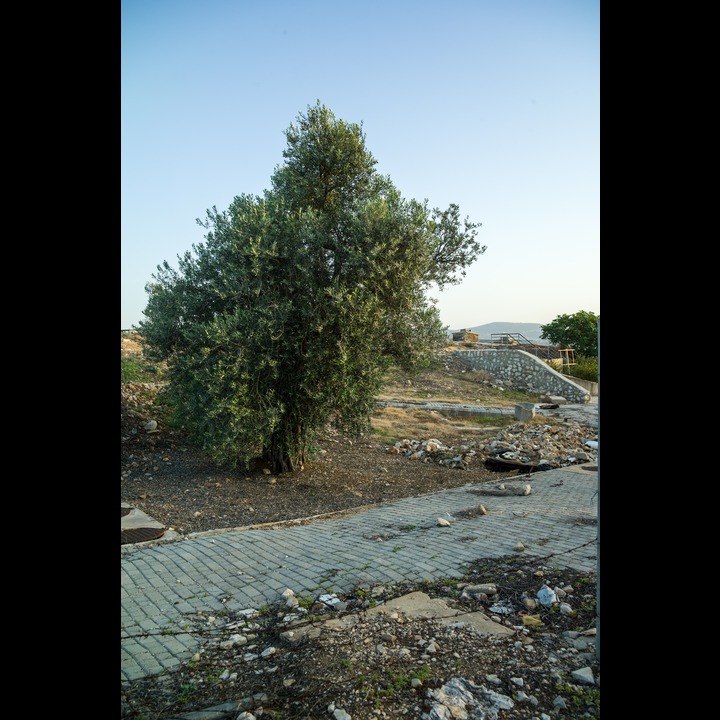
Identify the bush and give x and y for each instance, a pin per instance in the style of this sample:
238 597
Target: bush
139 372
586 369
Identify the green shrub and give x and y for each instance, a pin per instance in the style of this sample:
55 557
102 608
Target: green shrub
138 371
129 370
586 369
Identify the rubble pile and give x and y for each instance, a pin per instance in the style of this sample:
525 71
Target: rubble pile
139 395
546 446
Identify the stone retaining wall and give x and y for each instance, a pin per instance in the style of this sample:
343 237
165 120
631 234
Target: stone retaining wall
519 369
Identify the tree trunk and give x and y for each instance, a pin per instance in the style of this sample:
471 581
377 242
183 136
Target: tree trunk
279 456
280 462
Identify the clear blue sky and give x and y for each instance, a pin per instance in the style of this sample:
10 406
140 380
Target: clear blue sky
490 104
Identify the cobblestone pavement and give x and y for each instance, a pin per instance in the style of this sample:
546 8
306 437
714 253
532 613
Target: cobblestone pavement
587 414
163 583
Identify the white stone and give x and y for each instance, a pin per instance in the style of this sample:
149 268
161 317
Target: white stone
487 588
546 596
565 609
583 675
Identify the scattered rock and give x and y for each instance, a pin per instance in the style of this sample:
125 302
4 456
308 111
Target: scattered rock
411 655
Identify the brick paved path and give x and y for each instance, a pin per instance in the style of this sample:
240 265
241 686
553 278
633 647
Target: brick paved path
164 583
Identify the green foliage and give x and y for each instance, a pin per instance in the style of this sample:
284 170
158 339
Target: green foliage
186 692
578 331
305 601
138 371
289 314
585 369
166 410
385 436
492 420
586 699
129 370
379 686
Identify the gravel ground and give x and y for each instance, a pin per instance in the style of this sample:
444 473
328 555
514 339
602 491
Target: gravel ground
389 665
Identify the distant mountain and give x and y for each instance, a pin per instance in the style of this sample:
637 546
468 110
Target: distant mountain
531 331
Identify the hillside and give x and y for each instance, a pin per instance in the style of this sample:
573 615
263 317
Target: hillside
529 330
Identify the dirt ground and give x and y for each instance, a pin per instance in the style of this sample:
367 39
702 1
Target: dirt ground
163 476
383 667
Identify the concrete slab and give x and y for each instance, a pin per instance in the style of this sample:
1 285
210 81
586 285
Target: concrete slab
136 526
420 605
413 605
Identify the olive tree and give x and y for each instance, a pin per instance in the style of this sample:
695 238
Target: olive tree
291 311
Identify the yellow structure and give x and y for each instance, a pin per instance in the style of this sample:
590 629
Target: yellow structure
465 336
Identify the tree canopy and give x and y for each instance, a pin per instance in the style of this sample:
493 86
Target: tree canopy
578 331
298 301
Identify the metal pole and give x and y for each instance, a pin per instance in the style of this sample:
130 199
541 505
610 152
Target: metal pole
597 591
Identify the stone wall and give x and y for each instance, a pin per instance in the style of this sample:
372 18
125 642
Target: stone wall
521 370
